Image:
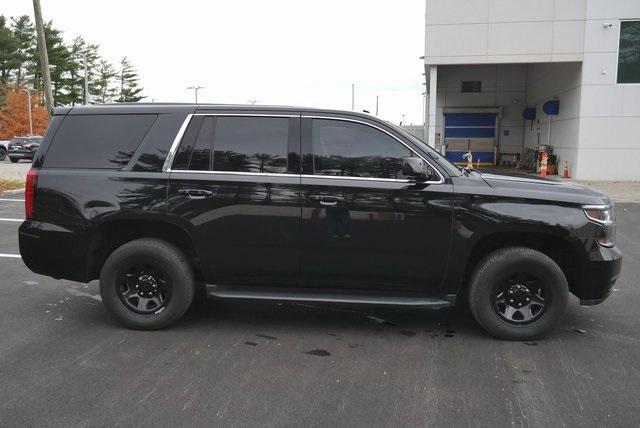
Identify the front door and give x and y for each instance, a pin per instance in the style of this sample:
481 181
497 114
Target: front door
235 184
365 226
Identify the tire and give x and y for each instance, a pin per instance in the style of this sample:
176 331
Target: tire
516 276
167 267
13 160
3 154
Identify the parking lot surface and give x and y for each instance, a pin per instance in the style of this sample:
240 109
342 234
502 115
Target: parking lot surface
14 171
64 362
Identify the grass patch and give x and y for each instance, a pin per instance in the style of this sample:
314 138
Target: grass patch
10 185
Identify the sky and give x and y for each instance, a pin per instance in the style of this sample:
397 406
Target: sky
282 52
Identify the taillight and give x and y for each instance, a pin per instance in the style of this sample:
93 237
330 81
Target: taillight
30 194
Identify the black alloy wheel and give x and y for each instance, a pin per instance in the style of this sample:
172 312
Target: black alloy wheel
520 300
147 284
518 293
143 289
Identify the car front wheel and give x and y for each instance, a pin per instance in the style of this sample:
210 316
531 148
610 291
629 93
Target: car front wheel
518 293
147 284
13 160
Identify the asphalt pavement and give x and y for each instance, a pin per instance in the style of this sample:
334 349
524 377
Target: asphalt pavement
64 362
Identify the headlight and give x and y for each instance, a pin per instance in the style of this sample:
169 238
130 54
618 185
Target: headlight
605 217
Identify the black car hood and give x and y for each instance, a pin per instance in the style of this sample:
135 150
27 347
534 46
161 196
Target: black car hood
532 187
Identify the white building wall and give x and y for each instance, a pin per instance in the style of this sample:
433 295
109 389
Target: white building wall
504 31
561 81
609 145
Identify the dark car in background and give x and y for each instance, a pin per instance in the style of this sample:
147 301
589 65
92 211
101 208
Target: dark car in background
163 201
23 148
3 149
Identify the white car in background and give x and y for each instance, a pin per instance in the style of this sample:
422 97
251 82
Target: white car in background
4 147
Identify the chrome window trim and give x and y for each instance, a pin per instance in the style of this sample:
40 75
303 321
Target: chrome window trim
344 119
176 142
166 167
274 174
236 173
349 177
178 139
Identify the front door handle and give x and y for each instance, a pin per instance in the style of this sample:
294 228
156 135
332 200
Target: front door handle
196 193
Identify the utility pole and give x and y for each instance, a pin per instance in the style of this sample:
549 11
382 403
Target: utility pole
86 80
29 104
44 57
377 98
196 88
353 93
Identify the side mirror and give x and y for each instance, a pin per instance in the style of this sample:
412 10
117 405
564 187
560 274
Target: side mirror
416 169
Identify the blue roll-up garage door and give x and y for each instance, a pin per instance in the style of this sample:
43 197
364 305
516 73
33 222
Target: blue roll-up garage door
473 132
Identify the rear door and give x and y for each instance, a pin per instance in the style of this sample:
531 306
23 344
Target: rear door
235 181
365 227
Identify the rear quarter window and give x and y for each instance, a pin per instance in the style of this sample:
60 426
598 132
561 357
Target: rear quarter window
98 141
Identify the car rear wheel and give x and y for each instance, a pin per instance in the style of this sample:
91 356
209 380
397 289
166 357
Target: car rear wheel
518 293
147 284
13 160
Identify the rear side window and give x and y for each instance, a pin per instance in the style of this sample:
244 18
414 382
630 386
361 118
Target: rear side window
98 141
251 144
236 144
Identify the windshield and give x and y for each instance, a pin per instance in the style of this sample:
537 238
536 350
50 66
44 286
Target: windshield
451 168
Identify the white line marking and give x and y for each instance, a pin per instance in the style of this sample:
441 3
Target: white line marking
11 256
10 199
11 219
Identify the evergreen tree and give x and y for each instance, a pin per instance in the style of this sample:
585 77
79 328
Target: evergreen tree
129 89
103 88
8 48
75 79
24 34
59 59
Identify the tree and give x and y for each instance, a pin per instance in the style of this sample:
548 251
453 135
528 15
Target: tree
59 63
14 115
24 35
129 89
78 51
8 48
103 89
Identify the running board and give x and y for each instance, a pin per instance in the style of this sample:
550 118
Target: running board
236 292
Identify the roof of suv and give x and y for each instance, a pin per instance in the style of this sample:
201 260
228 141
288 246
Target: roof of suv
169 107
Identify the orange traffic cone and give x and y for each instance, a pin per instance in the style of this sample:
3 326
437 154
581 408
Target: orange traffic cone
565 174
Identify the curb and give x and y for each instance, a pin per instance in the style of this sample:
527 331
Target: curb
12 192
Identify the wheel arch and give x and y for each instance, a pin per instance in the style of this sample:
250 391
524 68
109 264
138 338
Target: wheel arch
565 253
113 233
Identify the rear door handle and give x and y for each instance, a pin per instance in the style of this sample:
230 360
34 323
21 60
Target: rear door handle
195 193
327 200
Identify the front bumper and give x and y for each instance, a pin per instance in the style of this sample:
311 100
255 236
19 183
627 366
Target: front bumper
598 275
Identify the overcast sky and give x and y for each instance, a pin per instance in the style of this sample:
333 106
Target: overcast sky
275 51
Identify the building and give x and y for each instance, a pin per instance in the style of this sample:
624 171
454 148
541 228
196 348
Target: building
486 61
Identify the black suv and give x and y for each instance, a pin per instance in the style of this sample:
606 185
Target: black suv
282 203
23 148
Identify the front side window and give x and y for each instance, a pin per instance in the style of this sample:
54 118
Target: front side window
629 52
342 148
